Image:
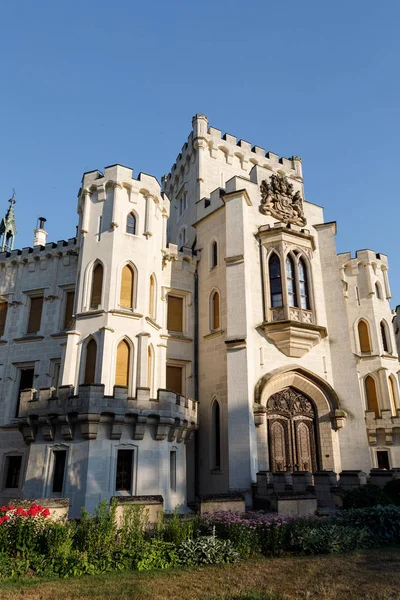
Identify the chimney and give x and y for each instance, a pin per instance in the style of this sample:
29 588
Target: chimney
40 233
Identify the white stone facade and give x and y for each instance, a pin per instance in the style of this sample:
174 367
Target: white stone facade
247 337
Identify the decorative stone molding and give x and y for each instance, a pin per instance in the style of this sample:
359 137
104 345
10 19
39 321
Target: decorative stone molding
279 200
292 338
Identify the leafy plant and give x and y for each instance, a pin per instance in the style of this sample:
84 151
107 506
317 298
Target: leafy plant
392 491
382 522
364 496
207 550
331 538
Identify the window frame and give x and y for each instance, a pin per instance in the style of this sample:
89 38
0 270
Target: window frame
5 458
133 214
31 295
113 470
99 306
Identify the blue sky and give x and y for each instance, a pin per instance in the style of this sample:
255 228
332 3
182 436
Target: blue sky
87 84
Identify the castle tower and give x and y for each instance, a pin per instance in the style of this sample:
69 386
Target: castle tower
367 294
8 228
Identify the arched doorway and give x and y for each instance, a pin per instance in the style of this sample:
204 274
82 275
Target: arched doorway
292 439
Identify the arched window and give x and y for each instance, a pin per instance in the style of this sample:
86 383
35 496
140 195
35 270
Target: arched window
372 397
97 286
150 368
131 224
152 297
275 281
122 363
393 394
215 436
215 318
378 291
214 254
384 337
303 285
90 365
363 336
291 282
127 282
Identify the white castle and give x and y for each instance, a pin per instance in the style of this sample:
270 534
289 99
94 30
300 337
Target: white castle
191 336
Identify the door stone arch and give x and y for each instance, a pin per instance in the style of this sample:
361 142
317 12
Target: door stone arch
328 415
292 434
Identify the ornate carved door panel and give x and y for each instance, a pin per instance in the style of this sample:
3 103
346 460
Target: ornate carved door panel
291 432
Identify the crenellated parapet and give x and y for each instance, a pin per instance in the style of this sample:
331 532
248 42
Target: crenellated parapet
173 416
228 148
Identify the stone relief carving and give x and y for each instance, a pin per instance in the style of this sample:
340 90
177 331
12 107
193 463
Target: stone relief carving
279 200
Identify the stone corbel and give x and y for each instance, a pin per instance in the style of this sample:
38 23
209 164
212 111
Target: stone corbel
190 433
389 436
117 427
163 427
89 425
173 430
47 428
140 427
259 414
27 430
66 427
181 432
338 419
371 433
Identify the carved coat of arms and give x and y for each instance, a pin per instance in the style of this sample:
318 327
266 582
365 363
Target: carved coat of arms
279 200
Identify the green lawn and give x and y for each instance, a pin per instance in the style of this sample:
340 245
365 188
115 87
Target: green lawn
364 575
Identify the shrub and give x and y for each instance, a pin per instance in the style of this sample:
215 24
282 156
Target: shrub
176 529
382 522
330 538
207 550
157 554
392 491
364 496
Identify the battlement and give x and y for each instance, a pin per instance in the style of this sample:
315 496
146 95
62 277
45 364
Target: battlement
230 147
173 415
118 175
51 248
365 256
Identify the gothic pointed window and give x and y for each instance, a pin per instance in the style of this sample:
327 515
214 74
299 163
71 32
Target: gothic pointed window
127 282
275 281
216 436
291 282
90 365
215 319
122 364
385 344
214 255
131 224
97 286
372 396
152 297
303 285
363 336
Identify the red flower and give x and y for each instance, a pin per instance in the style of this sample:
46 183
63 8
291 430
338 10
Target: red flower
3 509
40 508
10 507
6 518
46 512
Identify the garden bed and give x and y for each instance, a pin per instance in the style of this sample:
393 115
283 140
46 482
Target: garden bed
361 575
